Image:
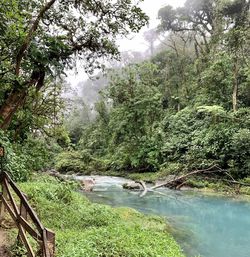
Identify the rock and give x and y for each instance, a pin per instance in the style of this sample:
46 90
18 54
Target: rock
88 184
132 186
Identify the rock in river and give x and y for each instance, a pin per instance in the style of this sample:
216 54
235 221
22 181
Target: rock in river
132 186
88 184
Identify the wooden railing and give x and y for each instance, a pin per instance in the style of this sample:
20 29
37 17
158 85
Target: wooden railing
29 226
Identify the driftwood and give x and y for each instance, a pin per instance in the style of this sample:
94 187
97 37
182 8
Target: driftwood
181 179
178 181
145 189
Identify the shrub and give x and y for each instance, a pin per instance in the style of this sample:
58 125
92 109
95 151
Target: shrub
14 163
79 162
240 153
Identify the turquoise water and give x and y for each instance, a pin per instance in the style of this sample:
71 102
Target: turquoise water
209 226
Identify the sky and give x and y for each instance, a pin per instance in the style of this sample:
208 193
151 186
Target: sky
133 42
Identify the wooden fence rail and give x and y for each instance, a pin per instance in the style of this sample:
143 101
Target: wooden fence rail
26 220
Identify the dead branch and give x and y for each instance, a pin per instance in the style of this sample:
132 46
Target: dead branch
181 178
145 189
236 182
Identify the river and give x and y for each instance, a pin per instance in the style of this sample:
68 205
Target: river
207 226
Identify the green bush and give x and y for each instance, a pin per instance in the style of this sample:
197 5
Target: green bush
79 162
240 153
14 163
40 152
29 155
70 162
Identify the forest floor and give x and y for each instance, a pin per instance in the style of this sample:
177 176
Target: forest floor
4 244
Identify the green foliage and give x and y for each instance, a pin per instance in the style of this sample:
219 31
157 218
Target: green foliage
129 135
145 130
87 229
193 138
240 154
186 108
79 162
71 162
32 53
13 162
40 153
31 155
146 176
119 241
18 250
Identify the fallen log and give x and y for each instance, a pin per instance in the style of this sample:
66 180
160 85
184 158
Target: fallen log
181 178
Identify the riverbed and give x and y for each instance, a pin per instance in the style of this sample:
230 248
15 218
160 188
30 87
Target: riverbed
205 225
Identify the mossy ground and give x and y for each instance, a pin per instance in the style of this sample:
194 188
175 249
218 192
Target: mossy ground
87 229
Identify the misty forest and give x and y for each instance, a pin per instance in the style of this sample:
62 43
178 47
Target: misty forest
125 153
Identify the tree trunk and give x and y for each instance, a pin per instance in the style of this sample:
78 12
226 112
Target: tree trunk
235 86
10 106
17 96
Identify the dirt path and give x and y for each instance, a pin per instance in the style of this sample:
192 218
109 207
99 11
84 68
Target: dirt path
3 244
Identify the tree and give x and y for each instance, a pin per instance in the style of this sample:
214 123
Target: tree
151 36
215 26
41 39
237 42
196 17
42 112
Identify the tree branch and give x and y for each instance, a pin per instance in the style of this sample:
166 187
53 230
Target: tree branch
30 35
180 178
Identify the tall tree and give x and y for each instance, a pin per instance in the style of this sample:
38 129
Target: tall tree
196 17
41 38
237 41
215 26
151 36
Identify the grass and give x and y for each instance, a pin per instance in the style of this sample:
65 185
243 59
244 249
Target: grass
87 229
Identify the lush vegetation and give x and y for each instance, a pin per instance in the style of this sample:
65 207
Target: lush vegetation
87 229
185 108
39 42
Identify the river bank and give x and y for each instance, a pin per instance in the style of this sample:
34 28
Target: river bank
84 228
204 224
196 183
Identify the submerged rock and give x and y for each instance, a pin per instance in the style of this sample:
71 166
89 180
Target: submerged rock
88 184
132 186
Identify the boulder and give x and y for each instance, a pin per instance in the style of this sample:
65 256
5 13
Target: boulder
132 186
88 184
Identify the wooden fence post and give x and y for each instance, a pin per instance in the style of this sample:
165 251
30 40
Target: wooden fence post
21 215
48 247
2 207
51 237
24 214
